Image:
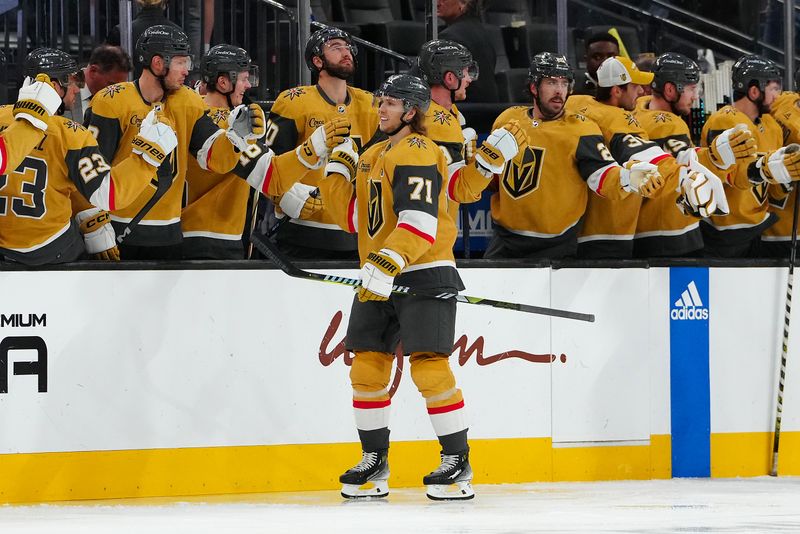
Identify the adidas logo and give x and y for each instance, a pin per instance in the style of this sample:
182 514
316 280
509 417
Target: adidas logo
689 306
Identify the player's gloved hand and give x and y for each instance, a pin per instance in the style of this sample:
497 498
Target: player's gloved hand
315 149
156 138
343 160
470 146
98 234
246 123
732 144
37 101
500 147
780 166
641 177
377 275
702 193
301 201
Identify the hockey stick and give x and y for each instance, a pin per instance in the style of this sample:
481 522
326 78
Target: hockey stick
270 250
787 314
162 186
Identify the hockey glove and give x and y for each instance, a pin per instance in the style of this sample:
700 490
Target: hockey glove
315 149
37 101
732 144
301 201
377 275
343 160
702 193
156 138
500 147
641 177
780 166
245 125
470 147
98 234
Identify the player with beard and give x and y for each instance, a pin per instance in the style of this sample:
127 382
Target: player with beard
449 69
297 112
756 84
662 229
114 118
543 191
609 227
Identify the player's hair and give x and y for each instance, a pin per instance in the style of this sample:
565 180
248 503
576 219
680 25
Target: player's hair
417 122
109 58
601 37
604 93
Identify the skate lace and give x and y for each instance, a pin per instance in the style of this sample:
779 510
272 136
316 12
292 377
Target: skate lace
368 461
449 461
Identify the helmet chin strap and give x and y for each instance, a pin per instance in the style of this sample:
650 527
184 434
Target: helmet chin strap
759 102
403 124
160 78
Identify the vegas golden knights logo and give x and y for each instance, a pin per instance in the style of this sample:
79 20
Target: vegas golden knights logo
375 208
519 179
760 192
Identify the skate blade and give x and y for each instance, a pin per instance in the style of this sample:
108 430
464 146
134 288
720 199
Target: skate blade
375 489
451 492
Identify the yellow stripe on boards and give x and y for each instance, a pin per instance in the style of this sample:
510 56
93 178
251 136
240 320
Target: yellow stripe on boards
62 476
748 454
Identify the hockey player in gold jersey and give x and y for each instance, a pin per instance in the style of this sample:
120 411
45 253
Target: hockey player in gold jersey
756 84
609 227
397 204
449 69
118 109
63 165
663 230
297 112
214 217
543 192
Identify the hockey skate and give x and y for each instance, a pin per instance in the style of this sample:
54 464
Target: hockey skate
370 478
452 480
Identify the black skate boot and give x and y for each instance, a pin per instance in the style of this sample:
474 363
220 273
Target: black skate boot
370 478
452 480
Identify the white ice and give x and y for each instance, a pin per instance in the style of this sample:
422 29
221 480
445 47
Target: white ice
660 506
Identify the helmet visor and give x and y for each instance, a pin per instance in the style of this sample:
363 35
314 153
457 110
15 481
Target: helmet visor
473 71
251 75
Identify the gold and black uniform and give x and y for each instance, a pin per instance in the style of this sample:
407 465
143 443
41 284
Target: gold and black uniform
293 118
36 225
737 234
543 192
114 119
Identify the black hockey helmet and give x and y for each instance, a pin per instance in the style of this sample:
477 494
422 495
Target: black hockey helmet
227 60
413 91
162 40
58 65
674 68
754 70
549 65
318 39
438 57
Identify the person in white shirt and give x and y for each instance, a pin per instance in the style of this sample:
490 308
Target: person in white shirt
107 65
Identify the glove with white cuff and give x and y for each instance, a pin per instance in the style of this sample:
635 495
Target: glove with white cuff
732 144
780 166
702 193
301 201
470 147
246 123
156 138
343 160
315 149
37 101
500 147
640 177
98 234
377 275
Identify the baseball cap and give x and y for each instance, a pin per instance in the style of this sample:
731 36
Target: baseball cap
619 70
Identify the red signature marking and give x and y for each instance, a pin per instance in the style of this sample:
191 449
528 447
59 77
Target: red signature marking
464 354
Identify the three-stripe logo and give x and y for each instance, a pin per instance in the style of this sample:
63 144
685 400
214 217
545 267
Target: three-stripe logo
689 306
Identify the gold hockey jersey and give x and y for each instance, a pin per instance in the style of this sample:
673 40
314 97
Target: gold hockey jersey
543 192
398 202
748 206
609 227
294 116
36 225
786 112
114 119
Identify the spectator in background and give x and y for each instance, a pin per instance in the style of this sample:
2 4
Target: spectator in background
599 47
645 63
151 13
465 27
107 65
